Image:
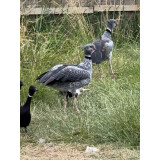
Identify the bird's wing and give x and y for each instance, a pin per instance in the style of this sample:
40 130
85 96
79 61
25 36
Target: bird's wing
68 74
46 75
103 49
108 45
98 56
63 73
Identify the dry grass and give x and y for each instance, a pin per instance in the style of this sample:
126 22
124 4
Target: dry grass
76 152
109 112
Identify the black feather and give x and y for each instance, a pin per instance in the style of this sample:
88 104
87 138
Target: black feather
25 115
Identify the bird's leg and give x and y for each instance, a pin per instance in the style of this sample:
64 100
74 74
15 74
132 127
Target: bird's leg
75 103
65 100
26 129
111 70
99 69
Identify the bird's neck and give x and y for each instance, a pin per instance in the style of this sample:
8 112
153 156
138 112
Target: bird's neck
28 101
109 30
87 63
86 57
107 34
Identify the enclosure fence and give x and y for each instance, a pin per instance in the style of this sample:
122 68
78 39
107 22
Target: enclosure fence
35 7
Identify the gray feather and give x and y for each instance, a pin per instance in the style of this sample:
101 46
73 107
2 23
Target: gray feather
104 45
70 77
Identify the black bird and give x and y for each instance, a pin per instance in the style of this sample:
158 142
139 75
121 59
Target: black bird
21 84
25 115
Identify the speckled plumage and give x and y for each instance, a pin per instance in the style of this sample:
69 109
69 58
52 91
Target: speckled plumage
69 78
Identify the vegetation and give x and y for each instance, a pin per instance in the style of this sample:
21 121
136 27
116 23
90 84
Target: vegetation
110 111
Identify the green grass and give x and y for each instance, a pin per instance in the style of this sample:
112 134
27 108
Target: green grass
110 111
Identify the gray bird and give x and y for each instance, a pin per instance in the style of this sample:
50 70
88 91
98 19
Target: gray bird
104 46
70 78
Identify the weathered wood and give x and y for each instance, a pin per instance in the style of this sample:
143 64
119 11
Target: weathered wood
32 7
129 2
75 3
101 8
59 10
97 2
138 2
78 10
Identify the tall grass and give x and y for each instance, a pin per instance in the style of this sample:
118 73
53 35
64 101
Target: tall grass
110 110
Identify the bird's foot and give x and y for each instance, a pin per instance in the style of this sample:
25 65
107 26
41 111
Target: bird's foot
77 110
113 76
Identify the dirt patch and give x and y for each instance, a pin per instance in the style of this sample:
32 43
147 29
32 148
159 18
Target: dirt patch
76 152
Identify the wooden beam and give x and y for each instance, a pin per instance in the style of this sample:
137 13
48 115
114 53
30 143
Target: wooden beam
101 8
72 10
59 10
78 10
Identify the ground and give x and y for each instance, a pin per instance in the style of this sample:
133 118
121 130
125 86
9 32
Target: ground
76 152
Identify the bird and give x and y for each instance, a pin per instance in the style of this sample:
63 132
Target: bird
78 92
21 84
25 115
104 46
70 78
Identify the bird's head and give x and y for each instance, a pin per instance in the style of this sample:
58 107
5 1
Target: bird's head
21 84
112 23
89 49
32 89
